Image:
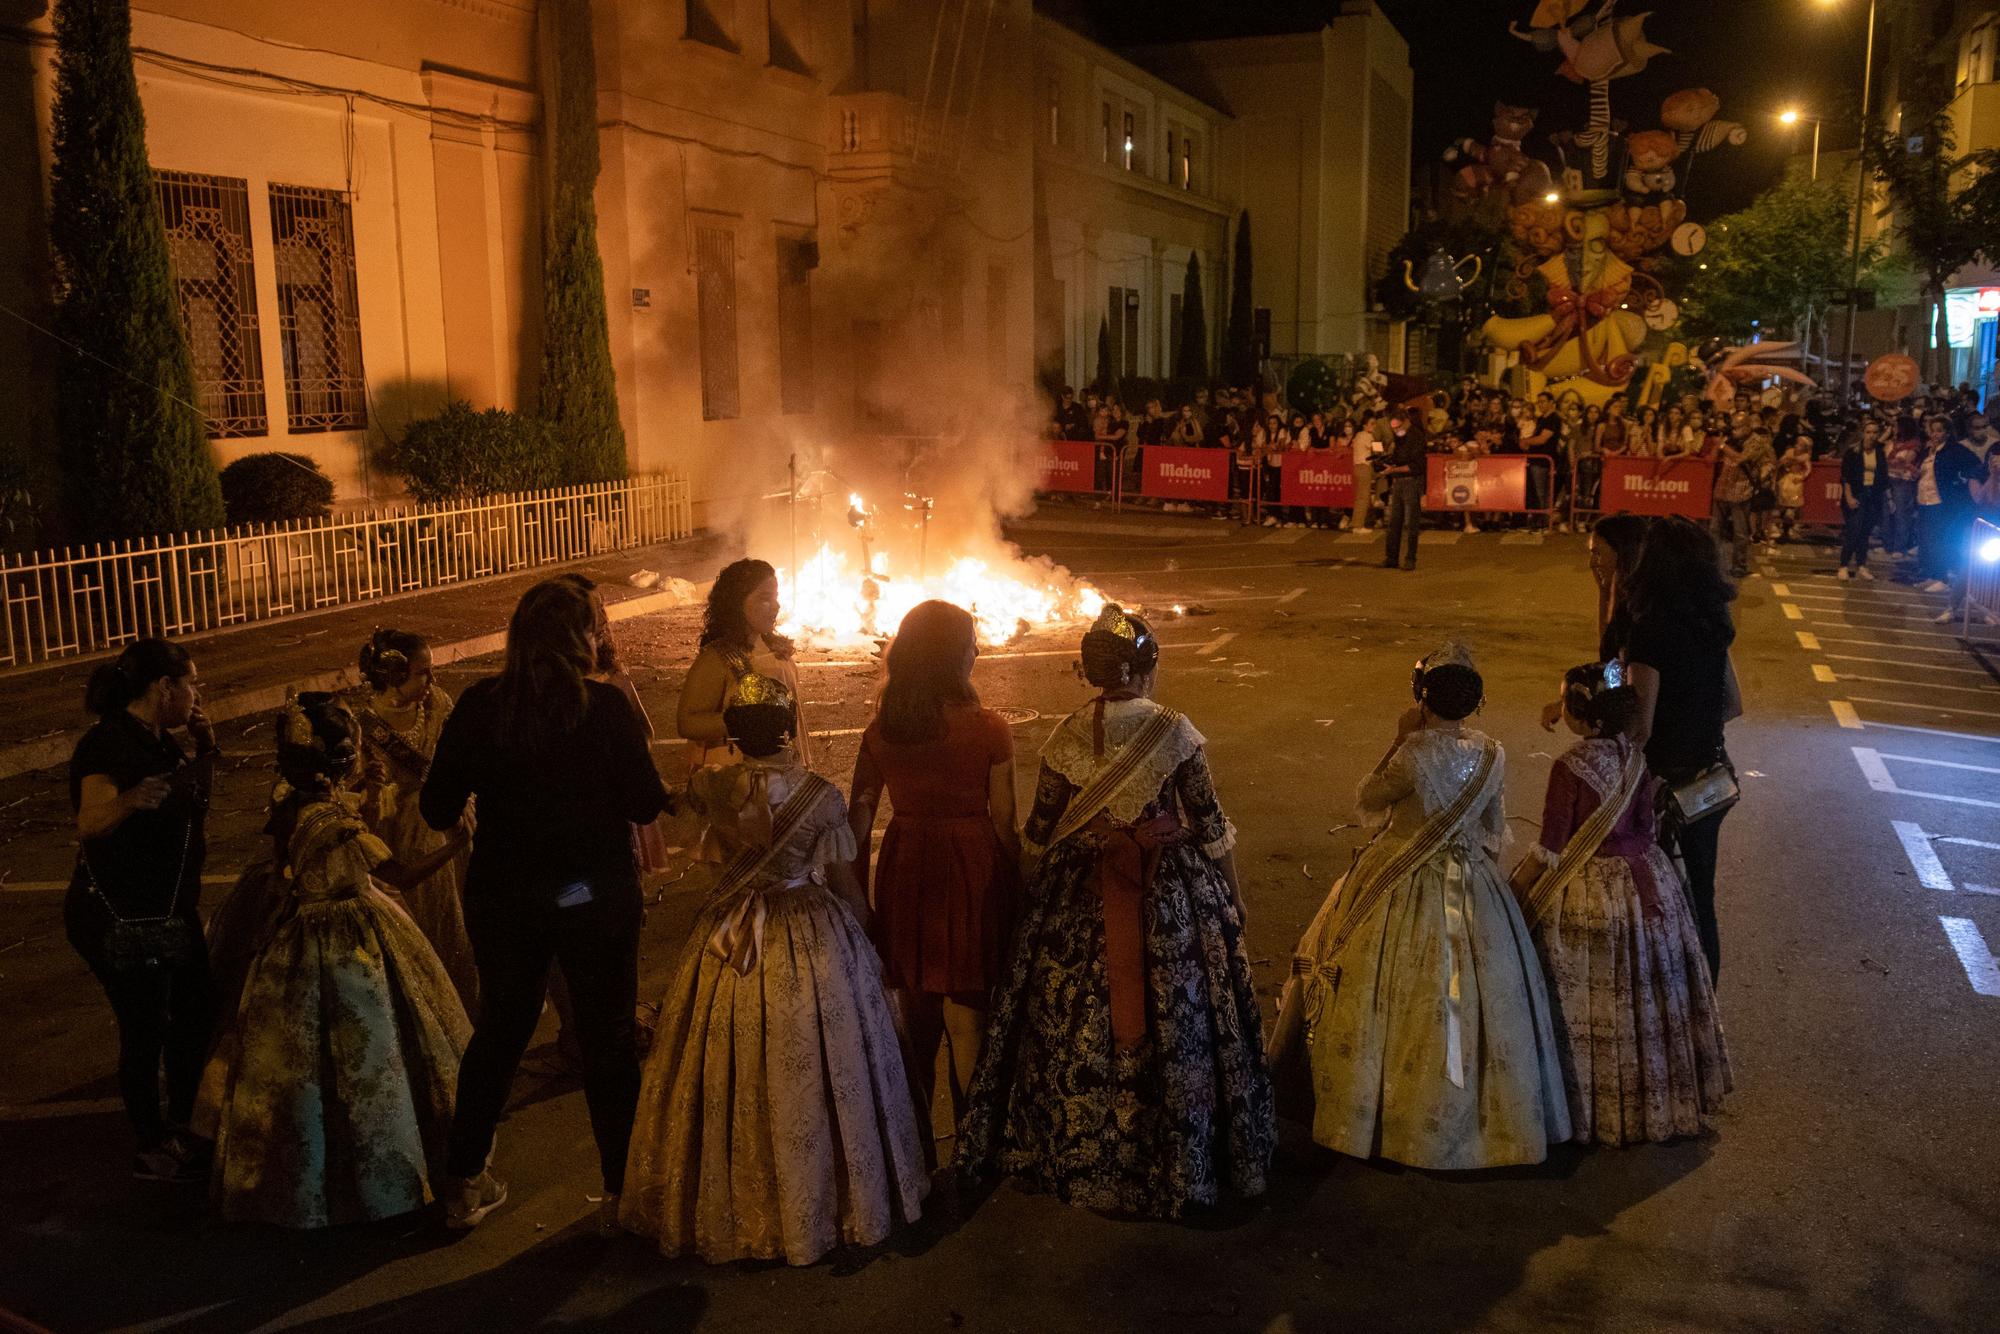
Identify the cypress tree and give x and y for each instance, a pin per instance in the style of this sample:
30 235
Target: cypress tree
1239 350
1191 357
579 390
1103 380
134 451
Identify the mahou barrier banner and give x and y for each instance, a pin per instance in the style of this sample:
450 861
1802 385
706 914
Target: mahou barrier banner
1175 472
1655 486
1477 484
1316 477
1823 495
1069 465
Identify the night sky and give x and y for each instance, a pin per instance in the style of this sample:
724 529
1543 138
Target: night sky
1758 56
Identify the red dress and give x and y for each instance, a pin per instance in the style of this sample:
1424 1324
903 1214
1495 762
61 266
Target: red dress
945 888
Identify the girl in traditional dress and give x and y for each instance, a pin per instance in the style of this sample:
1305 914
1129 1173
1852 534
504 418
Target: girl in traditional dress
401 719
1416 1000
1123 1067
775 1119
946 888
739 637
1634 1006
330 1096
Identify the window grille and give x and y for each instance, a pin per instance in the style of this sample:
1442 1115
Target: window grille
319 318
715 287
208 246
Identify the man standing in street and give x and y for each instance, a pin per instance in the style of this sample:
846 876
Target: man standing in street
1072 421
1405 468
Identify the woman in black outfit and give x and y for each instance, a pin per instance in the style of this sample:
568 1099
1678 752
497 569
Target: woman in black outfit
1677 654
133 909
562 771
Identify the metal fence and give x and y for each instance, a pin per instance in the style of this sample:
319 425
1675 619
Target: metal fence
84 600
1982 577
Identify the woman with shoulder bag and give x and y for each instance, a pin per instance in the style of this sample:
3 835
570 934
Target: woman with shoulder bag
1677 654
132 910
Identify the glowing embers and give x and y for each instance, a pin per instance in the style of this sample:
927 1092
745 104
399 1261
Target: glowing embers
835 599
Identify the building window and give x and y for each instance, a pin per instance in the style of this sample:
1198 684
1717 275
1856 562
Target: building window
1176 326
1122 324
708 23
319 309
1055 114
996 314
715 303
796 260
208 246
1187 162
1107 132
1127 149
1975 56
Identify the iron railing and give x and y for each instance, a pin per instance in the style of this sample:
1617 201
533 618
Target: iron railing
1982 577
77 601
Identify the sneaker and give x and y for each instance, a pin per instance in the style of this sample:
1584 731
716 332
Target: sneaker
467 1200
1842 574
1945 617
163 1162
1933 586
1270 521
1863 572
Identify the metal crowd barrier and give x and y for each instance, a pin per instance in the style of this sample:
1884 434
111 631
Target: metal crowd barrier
1982 577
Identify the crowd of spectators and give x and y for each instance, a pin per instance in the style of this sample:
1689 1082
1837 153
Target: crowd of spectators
1919 467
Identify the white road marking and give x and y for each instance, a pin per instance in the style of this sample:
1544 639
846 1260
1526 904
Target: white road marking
1954 651
1885 629
1879 778
1968 842
1982 889
1445 539
1843 713
1808 642
1354 539
1521 540
1214 645
1914 666
1931 731
1105 573
1283 538
1939 764
1981 969
1923 857
1791 613
1933 708
1927 685
1823 673
1780 590
1292 596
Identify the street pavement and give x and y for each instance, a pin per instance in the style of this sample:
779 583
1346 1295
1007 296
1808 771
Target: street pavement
1852 1183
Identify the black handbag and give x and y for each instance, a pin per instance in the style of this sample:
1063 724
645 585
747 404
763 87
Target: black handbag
135 944
1709 792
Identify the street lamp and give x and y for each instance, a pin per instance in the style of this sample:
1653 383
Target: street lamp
1791 117
1860 202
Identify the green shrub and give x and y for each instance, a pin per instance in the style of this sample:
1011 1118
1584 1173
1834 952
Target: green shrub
275 488
461 453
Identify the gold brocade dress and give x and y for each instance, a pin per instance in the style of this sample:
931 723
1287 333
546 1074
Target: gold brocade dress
775 1120
763 660
330 1095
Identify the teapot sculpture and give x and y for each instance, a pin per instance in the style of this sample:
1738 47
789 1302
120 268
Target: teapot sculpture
1441 280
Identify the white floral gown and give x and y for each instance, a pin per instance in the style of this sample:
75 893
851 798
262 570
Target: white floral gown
1429 1038
330 1095
775 1120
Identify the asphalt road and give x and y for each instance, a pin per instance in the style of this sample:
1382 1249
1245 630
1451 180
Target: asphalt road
1852 1183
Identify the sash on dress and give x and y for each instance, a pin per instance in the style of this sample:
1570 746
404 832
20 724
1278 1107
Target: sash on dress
1376 871
1128 857
738 938
1585 842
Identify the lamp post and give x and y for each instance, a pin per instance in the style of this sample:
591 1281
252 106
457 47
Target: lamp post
1792 117
1860 202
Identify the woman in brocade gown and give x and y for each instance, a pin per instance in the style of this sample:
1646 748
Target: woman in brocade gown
1123 1067
401 719
1416 1000
775 1119
329 1097
1635 1011
739 638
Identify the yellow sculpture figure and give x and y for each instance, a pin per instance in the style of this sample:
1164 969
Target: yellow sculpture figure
1586 339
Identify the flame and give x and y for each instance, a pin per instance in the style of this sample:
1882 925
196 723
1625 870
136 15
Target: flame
833 601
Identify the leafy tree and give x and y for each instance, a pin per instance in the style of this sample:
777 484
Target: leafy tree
1239 340
134 451
579 390
1103 380
1775 265
1946 206
1191 357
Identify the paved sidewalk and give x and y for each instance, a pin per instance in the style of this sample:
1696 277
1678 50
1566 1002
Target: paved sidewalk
249 669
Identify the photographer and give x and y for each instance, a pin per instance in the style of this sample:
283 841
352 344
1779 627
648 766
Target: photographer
132 910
